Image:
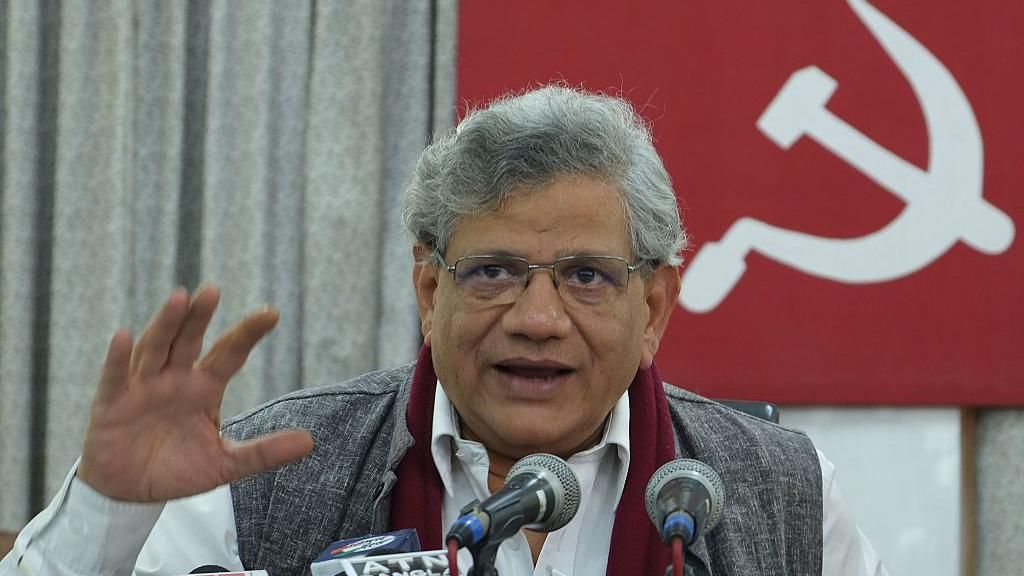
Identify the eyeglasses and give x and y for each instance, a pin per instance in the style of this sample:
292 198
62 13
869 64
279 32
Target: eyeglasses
589 280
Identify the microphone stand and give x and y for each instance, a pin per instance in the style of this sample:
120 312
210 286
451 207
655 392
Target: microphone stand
484 553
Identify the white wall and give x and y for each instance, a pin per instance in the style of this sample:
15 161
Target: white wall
899 469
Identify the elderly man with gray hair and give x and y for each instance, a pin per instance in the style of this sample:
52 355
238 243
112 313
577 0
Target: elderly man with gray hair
547 241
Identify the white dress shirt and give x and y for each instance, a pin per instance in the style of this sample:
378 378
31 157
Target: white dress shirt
83 533
601 471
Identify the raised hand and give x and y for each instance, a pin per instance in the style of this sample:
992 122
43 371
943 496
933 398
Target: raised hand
154 428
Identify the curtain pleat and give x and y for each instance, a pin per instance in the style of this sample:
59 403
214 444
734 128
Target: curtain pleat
91 255
158 120
259 145
355 184
283 263
235 220
19 241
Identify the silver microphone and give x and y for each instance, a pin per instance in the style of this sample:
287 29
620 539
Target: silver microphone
685 498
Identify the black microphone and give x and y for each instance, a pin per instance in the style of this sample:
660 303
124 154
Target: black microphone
541 493
685 499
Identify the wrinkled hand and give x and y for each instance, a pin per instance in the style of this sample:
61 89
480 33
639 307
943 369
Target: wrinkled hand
154 429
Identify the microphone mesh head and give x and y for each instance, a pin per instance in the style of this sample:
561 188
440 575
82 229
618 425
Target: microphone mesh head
564 484
687 468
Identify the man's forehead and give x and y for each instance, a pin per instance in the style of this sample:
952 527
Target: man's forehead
571 216
563 190
576 195
485 248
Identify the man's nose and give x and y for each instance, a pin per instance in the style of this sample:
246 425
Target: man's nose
539 312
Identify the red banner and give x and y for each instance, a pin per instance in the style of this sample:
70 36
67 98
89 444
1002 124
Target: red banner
850 173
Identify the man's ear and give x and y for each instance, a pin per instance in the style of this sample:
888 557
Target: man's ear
662 293
424 280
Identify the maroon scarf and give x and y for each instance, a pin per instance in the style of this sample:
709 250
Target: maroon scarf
418 493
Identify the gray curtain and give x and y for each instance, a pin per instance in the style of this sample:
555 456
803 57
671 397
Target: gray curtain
261 145
1000 492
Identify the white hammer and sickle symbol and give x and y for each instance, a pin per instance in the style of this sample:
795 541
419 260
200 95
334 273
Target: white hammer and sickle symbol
944 203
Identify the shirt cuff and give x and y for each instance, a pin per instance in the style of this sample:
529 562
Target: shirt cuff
93 534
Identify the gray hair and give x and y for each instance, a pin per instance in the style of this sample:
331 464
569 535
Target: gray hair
525 142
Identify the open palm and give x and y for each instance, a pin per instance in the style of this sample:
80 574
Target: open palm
154 428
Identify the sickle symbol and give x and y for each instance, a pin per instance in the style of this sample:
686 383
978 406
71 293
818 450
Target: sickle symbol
944 204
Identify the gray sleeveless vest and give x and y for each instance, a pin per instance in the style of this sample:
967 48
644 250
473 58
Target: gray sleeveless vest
771 524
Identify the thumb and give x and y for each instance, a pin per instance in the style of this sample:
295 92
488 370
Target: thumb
266 452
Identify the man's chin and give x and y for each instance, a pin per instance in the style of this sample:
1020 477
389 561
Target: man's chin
525 439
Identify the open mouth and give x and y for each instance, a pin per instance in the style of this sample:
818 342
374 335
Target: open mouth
533 372
533 381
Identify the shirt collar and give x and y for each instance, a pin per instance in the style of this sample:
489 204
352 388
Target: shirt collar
445 435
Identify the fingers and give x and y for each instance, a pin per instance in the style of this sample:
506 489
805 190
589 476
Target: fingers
267 452
114 376
189 341
154 345
229 353
174 337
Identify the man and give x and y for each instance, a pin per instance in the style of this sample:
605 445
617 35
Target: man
547 240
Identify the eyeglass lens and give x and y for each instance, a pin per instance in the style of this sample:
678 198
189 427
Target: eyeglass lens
584 279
